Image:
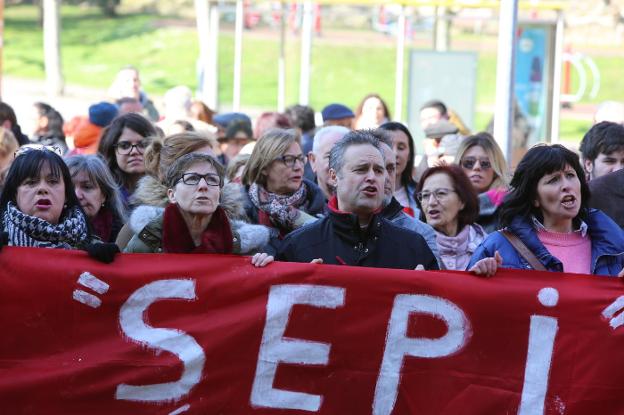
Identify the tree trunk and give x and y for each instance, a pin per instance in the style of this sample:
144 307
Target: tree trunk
52 47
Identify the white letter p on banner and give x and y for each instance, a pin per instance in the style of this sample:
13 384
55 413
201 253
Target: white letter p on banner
398 345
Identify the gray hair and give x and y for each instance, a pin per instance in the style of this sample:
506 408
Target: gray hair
383 136
177 169
99 174
322 132
353 138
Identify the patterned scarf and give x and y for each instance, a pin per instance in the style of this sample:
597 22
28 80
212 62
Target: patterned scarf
26 230
283 210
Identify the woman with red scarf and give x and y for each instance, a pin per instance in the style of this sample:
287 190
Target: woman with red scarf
193 221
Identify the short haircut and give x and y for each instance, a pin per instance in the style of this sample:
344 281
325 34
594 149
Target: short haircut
302 117
98 173
110 135
406 175
434 103
464 189
353 138
603 138
181 165
486 141
237 126
271 145
540 160
322 132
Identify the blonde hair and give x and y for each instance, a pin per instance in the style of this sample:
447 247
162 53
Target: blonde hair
486 141
8 143
159 156
271 145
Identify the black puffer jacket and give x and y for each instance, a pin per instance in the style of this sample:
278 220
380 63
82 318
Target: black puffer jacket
338 239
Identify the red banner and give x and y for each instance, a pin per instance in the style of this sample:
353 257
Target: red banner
203 334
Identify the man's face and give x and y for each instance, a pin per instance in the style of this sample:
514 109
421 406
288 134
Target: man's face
429 116
360 182
320 162
391 163
605 164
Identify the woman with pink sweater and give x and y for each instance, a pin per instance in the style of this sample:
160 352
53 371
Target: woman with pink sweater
548 224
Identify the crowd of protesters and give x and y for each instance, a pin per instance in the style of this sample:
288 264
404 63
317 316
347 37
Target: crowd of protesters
353 191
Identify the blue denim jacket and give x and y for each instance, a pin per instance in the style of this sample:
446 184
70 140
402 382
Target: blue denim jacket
607 245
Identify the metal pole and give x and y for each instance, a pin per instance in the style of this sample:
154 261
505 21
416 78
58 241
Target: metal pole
556 97
281 63
306 53
505 65
238 55
400 57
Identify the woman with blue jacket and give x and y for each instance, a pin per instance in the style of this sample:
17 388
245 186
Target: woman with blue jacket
548 224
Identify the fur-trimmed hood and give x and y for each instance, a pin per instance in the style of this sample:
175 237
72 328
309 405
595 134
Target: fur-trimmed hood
252 238
151 192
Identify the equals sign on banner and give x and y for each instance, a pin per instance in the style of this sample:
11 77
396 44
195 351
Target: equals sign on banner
90 281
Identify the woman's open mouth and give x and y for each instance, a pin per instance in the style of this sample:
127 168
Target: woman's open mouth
568 201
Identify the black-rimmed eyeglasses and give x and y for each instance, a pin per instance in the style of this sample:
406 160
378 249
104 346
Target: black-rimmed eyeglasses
193 179
290 161
125 147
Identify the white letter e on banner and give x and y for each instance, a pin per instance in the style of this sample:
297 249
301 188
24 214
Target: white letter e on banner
398 345
275 348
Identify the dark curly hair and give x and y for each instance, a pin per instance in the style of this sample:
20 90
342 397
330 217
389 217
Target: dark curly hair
539 161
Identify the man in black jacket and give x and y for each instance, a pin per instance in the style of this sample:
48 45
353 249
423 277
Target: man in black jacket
354 232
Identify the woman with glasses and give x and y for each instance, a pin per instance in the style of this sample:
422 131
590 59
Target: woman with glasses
548 224
484 164
449 204
193 221
151 196
276 193
39 208
122 146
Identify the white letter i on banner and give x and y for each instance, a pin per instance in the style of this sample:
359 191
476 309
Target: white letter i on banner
542 334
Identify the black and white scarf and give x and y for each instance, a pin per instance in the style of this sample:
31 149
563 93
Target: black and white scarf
26 230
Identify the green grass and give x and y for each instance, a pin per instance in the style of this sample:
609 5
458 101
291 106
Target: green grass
95 47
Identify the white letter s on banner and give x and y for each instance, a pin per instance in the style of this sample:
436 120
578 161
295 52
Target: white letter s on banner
174 341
